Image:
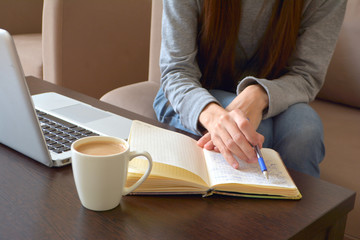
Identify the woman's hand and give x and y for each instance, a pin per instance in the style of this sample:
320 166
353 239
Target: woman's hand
232 130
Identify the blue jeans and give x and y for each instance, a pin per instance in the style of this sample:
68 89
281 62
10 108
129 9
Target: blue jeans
296 134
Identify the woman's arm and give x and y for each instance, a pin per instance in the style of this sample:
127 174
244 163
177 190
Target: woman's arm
180 73
318 34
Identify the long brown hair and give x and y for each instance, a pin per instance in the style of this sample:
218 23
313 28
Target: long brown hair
219 24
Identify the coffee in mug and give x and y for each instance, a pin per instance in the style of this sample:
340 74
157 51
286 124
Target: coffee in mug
100 167
101 148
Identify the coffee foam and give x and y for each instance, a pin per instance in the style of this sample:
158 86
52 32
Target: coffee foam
101 148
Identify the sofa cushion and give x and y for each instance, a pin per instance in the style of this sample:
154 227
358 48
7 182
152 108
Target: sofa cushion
30 53
342 147
342 83
137 97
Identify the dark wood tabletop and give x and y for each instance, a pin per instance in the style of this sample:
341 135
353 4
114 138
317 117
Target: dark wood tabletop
37 202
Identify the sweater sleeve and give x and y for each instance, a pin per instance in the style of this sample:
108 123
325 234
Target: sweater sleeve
180 73
307 68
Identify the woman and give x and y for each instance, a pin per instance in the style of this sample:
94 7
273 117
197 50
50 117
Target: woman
243 72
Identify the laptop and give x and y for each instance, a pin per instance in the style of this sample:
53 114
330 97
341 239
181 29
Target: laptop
43 126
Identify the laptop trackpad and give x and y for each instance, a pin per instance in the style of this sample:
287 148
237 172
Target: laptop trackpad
81 113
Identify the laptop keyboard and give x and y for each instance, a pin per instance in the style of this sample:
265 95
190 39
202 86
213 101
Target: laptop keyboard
60 134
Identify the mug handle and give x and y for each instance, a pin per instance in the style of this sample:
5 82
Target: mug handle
132 155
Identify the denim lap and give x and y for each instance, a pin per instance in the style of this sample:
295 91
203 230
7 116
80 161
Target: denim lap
296 134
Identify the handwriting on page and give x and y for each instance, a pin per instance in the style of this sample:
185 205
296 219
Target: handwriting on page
169 148
221 172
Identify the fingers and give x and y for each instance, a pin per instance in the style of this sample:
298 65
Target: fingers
225 144
233 135
204 140
237 142
246 128
230 133
228 155
239 136
209 145
230 158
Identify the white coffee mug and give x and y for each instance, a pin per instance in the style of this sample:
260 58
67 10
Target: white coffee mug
100 167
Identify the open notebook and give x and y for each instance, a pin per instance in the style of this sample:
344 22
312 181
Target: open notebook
181 167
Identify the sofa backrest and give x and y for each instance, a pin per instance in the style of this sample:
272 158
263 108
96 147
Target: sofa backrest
21 16
155 41
342 83
94 46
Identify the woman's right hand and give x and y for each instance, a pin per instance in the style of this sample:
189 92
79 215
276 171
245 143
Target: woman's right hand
231 133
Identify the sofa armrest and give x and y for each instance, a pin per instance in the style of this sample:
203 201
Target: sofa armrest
137 97
94 46
342 82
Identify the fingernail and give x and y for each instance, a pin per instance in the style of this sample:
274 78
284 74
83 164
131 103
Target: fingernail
235 165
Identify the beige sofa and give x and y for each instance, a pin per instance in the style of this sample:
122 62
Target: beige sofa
338 103
22 18
94 46
86 45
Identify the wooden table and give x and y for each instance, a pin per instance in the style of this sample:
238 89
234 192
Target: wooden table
37 202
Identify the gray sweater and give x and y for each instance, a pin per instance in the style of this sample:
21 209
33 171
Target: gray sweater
180 73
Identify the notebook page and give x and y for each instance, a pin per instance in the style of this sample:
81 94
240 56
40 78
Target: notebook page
168 147
138 166
221 172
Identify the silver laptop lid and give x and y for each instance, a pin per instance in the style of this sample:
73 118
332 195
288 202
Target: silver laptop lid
19 126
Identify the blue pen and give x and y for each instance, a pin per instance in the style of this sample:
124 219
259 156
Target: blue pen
261 162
